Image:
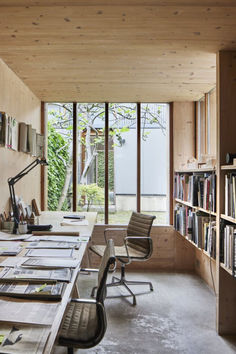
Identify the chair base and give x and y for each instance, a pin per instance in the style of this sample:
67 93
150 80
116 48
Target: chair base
123 282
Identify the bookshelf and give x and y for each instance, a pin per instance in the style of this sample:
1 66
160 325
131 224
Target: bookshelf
185 145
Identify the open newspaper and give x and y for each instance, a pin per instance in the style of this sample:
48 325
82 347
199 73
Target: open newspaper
62 274
42 291
22 338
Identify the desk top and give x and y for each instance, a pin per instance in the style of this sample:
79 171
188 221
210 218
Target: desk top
55 218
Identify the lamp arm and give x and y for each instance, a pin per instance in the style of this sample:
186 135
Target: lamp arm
11 182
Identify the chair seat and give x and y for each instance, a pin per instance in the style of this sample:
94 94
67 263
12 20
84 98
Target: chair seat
80 325
120 251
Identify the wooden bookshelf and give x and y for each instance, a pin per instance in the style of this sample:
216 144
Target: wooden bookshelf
228 218
196 170
228 167
195 207
226 269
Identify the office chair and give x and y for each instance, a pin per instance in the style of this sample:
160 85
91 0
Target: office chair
85 321
137 247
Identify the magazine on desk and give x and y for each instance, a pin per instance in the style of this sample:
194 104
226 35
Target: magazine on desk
44 252
40 291
53 244
50 263
16 274
22 338
58 238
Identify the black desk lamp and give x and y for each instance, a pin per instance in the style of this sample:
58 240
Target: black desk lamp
13 180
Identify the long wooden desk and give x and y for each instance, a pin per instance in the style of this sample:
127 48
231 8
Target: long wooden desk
55 218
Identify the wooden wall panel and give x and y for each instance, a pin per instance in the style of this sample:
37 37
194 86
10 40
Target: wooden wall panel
205 268
18 101
183 132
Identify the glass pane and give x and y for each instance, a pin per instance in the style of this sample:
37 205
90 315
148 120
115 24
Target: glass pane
122 162
91 158
154 160
60 119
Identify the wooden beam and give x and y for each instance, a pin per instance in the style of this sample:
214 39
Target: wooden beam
75 156
138 195
106 147
171 165
43 172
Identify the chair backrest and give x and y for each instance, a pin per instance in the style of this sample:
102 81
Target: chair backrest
140 225
108 259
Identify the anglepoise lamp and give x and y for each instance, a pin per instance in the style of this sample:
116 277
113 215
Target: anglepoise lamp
13 180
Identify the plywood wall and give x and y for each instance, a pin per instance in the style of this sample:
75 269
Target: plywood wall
183 132
19 102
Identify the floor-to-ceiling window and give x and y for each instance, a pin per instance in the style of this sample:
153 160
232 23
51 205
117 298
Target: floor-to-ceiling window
125 145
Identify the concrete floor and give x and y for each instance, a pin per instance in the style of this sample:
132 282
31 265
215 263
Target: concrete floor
178 317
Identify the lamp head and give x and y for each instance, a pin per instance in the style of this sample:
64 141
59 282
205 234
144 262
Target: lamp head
43 162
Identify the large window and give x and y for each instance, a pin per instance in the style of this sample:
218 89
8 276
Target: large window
123 144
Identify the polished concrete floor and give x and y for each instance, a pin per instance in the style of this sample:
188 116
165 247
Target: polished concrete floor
177 317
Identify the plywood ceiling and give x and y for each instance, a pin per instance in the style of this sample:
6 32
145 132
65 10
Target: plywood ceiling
120 50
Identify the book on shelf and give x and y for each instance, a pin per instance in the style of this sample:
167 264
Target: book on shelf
198 189
39 145
230 194
23 137
31 290
197 226
228 243
20 273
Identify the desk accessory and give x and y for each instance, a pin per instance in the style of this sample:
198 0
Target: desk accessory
13 180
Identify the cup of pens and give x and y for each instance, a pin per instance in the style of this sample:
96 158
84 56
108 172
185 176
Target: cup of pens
22 227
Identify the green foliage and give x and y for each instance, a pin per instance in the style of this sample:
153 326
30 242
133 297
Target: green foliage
90 194
101 167
56 168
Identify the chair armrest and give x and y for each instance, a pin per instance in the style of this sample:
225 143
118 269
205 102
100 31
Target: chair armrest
92 270
87 301
110 229
137 237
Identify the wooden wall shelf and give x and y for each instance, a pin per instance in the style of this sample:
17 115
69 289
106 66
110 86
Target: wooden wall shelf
226 269
228 218
228 167
198 170
195 207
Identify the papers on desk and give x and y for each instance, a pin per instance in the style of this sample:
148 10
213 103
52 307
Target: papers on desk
63 274
40 291
13 261
27 311
9 237
19 338
53 244
58 253
58 238
50 263
83 222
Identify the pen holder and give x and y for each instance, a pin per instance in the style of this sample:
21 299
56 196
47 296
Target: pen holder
8 225
22 228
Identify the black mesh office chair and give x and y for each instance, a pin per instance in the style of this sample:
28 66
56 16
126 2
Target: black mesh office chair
85 321
137 247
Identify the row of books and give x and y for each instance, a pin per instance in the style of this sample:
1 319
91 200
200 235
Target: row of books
228 243
20 136
199 189
197 226
230 194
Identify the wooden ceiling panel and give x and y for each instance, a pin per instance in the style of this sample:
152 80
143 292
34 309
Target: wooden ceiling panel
117 53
